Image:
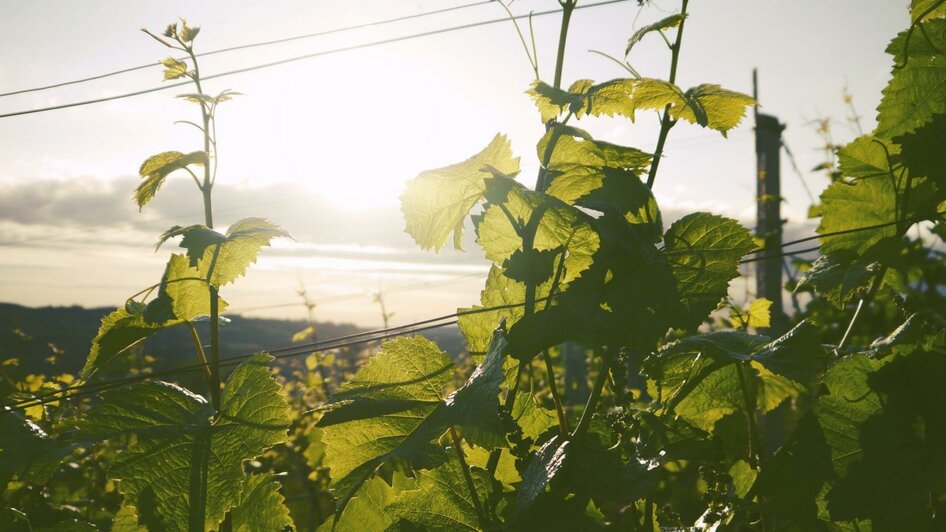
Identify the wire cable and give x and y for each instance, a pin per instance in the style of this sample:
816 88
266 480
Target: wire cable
301 58
252 45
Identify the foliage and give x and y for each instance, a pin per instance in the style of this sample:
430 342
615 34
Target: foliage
692 419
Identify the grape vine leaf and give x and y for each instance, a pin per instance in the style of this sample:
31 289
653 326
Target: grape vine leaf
260 506
704 251
26 450
577 167
663 24
223 258
173 68
584 97
126 520
914 93
560 227
901 458
701 377
839 277
182 297
868 157
706 105
369 510
157 167
758 314
922 153
442 500
436 202
866 210
544 466
394 408
919 7
186 469
500 291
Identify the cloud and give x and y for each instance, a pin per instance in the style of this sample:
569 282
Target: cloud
50 213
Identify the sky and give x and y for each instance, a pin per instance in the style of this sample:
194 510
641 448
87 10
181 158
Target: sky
323 147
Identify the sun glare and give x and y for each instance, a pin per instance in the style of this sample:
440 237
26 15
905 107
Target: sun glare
356 142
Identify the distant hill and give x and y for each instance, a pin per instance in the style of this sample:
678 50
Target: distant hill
26 333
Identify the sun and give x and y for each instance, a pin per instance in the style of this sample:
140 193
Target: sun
356 142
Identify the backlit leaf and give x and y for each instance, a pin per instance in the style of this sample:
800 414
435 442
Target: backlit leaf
757 315
704 251
838 277
394 408
670 22
914 93
260 505
173 68
157 167
182 297
186 469
223 258
436 202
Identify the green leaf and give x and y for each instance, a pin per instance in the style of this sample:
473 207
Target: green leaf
174 68
560 227
797 354
919 7
743 477
369 510
436 202
903 339
901 456
442 500
857 208
532 418
260 506
704 251
723 108
923 154
223 258
545 465
126 520
550 101
182 297
157 167
584 97
475 405
706 105
839 277
26 450
757 315
624 192
670 22
914 93
700 374
500 291
394 408
188 33
867 157
186 469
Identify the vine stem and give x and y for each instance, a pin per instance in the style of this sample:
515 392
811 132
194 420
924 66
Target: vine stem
666 122
214 378
200 350
528 237
757 457
585 422
871 292
469 480
755 438
556 398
